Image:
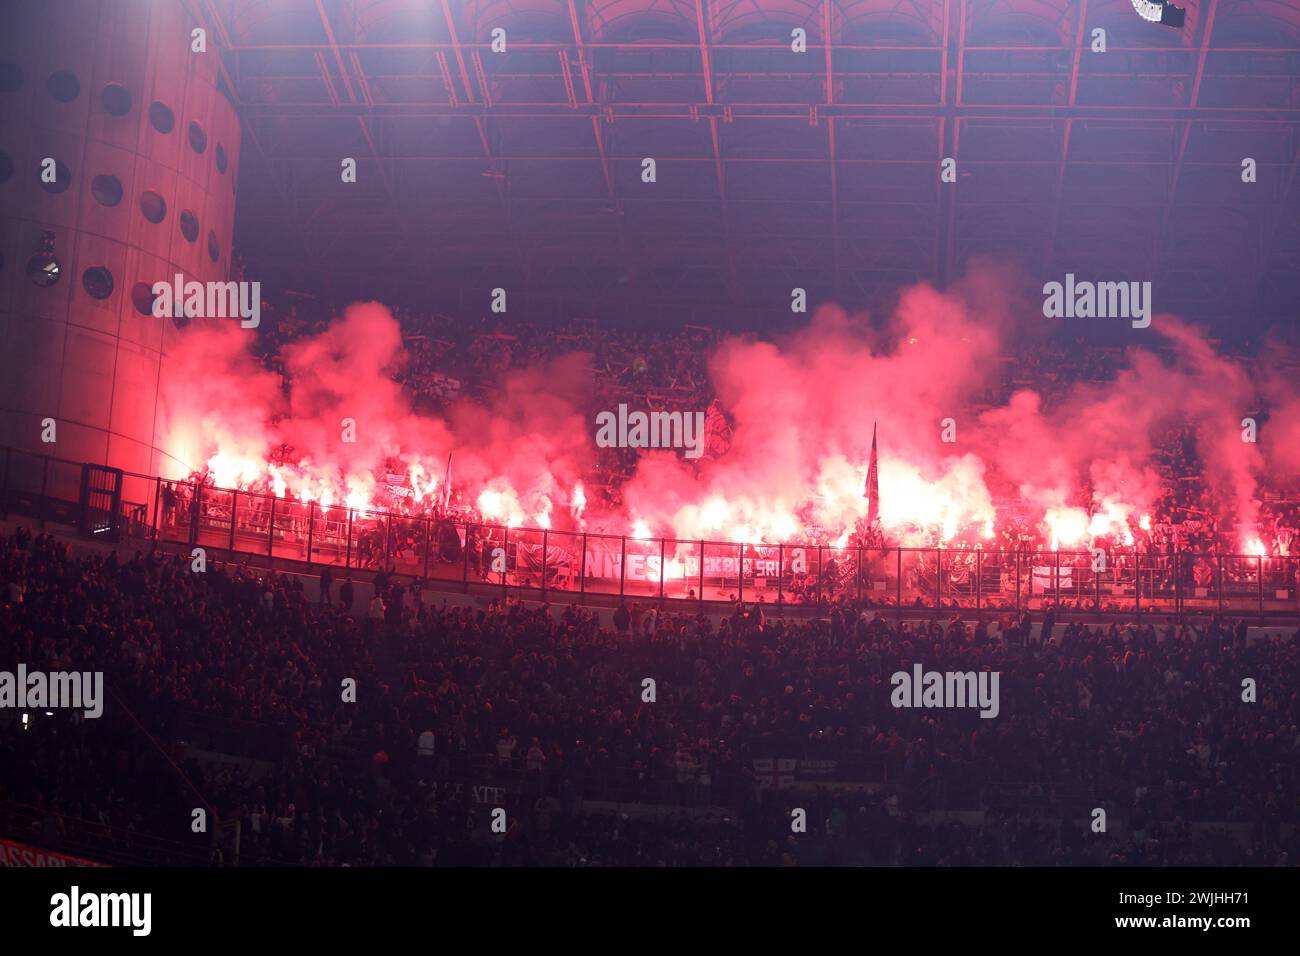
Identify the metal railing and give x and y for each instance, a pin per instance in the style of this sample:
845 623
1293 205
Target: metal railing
476 555
95 841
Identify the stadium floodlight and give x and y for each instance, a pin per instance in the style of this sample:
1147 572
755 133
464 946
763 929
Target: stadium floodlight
43 268
1160 12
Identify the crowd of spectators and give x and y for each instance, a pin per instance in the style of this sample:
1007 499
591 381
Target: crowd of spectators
449 358
228 689
666 369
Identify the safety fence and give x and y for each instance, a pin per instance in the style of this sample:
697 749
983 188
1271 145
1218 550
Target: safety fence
574 563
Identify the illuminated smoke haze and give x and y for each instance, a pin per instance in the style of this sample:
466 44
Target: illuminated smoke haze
802 408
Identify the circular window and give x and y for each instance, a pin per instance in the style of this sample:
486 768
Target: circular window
153 206
6 167
189 226
107 190
44 270
64 86
98 282
214 249
162 118
198 138
11 77
62 177
221 159
142 298
116 99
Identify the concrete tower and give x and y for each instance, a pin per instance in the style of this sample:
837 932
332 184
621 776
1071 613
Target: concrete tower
144 148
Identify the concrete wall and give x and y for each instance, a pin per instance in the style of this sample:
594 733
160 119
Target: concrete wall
111 90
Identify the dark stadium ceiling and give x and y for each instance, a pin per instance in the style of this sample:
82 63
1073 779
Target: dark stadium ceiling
775 169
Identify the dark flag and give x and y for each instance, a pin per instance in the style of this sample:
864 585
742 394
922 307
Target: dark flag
872 491
446 486
717 431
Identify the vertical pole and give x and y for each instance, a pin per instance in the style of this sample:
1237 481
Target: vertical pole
1018 552
780 575
622 565
1096 585
347 557
1259 581
270 530
582 573
388 542
505 559
545 542
1056 581
311 528
1149 575
157 506
740 573
428 544
1218 562
464 558
234 507
1178 585
979 584
858 574
821 567
663 555
1137 586
195 504
938 578
898 584
701 574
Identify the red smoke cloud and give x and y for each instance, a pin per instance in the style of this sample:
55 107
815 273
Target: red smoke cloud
802 410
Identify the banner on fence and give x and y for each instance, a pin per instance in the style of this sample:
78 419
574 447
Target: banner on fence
19 854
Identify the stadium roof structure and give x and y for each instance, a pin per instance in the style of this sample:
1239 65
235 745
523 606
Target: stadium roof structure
775 168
